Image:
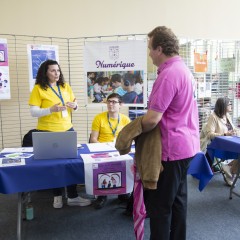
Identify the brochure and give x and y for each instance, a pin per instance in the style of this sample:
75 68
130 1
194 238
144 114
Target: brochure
8 162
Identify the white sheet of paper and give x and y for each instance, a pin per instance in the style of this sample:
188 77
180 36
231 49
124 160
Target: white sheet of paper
101 147
17 150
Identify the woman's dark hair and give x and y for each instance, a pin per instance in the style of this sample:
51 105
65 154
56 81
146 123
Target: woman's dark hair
115 95
221 106
42 78
165 38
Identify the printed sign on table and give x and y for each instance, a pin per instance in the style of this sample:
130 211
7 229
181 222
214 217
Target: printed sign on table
108 173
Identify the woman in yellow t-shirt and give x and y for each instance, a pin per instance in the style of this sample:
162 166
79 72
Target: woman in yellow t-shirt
52 102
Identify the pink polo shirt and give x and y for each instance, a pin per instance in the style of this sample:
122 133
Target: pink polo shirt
173 95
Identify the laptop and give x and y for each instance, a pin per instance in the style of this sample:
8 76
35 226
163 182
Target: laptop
54 145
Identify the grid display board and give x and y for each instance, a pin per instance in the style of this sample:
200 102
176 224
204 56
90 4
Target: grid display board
220 78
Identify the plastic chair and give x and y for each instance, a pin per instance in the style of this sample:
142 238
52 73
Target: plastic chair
217 163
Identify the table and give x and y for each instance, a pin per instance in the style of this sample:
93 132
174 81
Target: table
136 113
226 147
64 172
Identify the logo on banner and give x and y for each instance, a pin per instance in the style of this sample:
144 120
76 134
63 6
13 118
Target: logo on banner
114 52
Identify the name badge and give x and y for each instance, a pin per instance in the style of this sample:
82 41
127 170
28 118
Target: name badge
64 113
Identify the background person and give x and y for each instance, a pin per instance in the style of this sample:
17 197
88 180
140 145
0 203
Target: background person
105 128
90 81
173 108
138 88
116 81
219 124
128 84
52 101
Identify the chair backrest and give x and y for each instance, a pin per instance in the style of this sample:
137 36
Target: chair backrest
27 139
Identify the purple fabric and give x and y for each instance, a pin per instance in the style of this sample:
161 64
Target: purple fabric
139 211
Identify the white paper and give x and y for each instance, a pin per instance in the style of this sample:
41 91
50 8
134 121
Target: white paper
17 150
101 147
18 155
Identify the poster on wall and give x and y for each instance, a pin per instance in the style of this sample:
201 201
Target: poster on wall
4 71
116 67
204 87
36 55
200 62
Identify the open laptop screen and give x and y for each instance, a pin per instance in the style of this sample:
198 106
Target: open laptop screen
54 145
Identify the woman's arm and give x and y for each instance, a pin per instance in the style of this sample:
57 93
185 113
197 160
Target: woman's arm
39 112
213 128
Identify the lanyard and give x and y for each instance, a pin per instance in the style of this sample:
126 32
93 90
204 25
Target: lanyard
110 125
59 91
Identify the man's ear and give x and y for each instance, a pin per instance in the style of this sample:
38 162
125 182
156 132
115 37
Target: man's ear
159 48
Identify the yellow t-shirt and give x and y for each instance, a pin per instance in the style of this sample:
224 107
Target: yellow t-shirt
53 122
100 124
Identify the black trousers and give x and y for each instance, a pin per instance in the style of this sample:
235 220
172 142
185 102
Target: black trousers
167 205
71 191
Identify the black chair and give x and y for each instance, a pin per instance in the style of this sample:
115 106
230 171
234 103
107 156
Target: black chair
27 139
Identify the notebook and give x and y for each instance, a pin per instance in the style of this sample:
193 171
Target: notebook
54 145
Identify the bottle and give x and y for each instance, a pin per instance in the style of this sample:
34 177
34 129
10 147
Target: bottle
29 212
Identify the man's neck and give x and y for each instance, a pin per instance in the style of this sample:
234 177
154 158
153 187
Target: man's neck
166 58
113 115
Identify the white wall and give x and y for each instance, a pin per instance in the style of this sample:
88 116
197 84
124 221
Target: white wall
75 18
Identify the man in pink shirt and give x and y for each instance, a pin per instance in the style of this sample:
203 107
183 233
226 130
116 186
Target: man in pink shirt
173 107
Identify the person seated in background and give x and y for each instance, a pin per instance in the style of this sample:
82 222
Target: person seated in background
105 128
106 84
116 81
98 86
138 88
128 83
219 124
90 80
52 102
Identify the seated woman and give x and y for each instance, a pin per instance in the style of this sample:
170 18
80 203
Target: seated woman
220 124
